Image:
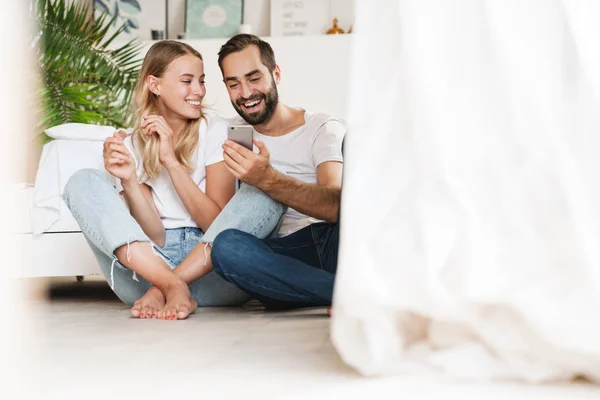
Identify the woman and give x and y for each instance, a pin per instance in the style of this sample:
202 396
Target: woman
171 174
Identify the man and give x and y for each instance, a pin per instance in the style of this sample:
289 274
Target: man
299 164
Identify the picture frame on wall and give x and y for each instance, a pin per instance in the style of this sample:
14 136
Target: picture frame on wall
300 17
213 18
143 19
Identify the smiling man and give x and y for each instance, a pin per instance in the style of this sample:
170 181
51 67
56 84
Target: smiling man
299 164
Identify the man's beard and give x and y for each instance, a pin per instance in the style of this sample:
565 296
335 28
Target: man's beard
270 99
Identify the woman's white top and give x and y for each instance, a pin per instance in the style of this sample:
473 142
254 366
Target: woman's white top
172 212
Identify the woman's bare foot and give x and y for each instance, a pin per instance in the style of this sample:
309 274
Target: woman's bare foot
149 305
180 303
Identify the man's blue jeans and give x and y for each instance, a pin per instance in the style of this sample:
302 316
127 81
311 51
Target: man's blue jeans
294 271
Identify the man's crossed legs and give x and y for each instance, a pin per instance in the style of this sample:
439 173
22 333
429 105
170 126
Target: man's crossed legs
290 272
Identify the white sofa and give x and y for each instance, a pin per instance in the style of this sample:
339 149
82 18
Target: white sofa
51 241
56 253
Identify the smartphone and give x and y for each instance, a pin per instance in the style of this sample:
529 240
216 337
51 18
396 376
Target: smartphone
241 134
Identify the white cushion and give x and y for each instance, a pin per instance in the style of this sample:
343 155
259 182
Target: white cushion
76 131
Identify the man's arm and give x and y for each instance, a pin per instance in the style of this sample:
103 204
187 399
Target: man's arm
320 201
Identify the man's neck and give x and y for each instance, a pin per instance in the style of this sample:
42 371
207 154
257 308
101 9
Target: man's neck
283 121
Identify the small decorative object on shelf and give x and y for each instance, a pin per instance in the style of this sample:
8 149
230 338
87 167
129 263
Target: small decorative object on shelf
140 17
335 29
212 18
158 34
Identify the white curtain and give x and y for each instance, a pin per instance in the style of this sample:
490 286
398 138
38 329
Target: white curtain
471 208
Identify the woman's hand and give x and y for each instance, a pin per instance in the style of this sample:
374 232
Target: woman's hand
155 124
117 159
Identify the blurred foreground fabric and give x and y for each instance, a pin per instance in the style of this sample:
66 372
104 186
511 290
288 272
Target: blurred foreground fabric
471 205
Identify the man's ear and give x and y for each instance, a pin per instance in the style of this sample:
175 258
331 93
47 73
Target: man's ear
277 74
153 84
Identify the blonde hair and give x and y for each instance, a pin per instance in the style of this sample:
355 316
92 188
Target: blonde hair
156 61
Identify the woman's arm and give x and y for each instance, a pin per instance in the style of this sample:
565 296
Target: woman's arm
120 163
142 208
203 207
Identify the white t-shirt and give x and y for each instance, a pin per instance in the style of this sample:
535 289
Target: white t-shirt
171 210
298 154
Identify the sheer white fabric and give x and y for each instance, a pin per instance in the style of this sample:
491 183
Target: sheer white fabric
471 208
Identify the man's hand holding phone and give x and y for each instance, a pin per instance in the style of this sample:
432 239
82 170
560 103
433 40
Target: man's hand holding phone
246 165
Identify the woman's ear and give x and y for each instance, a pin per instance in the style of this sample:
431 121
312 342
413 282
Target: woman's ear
153 84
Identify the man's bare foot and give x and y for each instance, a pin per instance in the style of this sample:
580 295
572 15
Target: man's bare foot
149 305
329 311
180 303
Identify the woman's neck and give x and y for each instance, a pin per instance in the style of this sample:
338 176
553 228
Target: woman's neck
175 122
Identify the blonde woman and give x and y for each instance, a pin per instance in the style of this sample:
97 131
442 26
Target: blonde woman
171 174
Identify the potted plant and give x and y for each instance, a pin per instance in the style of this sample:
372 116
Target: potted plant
86 77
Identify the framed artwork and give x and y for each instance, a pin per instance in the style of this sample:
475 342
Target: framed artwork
213 18
299 17
140 17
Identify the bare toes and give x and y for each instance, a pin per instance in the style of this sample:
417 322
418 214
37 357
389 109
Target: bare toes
183 312
135 310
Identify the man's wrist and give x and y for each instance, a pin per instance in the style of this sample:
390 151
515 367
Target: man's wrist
269 180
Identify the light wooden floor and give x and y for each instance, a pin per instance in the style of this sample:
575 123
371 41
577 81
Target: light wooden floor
86 346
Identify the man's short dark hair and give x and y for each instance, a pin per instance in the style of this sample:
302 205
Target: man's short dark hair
241 42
